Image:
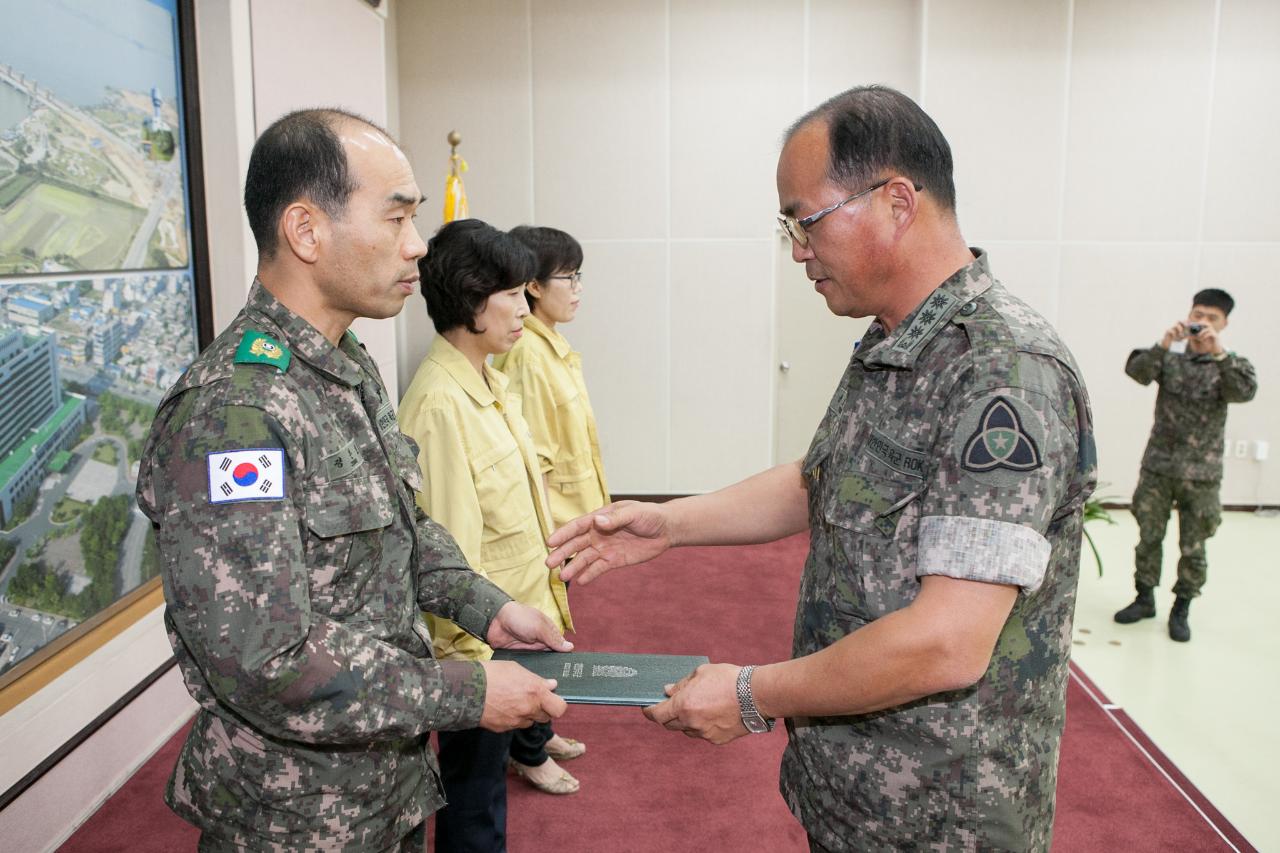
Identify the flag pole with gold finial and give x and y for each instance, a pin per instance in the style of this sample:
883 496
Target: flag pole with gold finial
455 194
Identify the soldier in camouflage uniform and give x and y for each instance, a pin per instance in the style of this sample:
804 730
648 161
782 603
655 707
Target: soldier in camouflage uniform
1183 462
295 561
943 495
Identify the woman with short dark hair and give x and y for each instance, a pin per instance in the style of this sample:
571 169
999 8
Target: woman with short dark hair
480 479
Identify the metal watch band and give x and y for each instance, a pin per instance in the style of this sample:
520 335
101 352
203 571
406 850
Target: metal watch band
751 717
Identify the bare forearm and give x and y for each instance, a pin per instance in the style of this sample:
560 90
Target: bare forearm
761 508
943 641
876 667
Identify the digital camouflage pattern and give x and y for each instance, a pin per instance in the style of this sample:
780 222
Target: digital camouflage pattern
960 444
1183 461
1191 408
296 622
1199 514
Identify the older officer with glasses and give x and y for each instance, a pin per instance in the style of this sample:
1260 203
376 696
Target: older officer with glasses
943 497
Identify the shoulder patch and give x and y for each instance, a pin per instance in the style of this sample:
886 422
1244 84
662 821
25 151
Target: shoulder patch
257 348
252 474
1001 434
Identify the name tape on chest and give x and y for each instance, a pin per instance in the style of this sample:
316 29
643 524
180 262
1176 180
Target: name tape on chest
254 474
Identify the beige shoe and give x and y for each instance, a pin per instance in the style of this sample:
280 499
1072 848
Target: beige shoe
567 749
563 784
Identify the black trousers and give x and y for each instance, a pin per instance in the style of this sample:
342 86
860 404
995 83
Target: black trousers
529 746
473 767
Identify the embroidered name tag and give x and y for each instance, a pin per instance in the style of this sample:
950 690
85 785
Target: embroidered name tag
342 462
386 418
254 474
897 457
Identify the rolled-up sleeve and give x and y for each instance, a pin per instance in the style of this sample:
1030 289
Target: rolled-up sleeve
1005 457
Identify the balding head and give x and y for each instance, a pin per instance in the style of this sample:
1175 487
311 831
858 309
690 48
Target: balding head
300 157
873 130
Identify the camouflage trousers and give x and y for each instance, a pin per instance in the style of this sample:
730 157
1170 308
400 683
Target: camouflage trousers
1199 513
414 842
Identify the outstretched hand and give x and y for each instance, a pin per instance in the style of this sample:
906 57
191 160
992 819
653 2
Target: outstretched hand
621 534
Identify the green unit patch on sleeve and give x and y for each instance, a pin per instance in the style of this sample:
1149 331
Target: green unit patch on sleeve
257 348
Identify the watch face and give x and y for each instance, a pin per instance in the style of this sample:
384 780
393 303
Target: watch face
755 724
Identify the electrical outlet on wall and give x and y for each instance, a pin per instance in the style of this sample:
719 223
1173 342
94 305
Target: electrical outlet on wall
1242 448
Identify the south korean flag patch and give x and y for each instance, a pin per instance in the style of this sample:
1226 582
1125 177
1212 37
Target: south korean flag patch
246 475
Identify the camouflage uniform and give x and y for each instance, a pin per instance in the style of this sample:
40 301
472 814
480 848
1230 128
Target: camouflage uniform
961 445
296 621
1183 462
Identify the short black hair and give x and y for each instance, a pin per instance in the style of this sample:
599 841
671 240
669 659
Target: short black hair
556 250
1212 297
298 157
466 262
875 128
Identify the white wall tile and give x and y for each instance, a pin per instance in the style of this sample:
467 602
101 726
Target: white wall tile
721 354
600 133
632 101
724 157
1243 194
623 334
1248 274
1002 108
1118 298
1139 106
853 44
288 35
465 67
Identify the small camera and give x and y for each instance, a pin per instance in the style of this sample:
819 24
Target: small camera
1194 329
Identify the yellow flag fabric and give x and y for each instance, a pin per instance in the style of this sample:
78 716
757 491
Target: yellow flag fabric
455 194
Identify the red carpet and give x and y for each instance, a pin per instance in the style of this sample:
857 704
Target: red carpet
645 789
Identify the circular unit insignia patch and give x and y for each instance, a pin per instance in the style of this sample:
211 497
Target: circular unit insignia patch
1002 440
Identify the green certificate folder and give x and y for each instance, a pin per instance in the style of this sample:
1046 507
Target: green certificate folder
594 678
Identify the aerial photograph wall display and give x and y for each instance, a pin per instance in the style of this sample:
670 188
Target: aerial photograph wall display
98 301
89 173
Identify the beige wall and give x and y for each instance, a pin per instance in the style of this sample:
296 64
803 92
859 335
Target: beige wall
1113 158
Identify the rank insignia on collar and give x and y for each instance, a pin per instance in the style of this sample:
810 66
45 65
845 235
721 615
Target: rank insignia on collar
257 348
1000 441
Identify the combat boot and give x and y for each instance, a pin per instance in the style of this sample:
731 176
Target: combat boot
1179 630
1143 607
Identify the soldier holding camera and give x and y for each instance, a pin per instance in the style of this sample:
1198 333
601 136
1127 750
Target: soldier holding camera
1183 461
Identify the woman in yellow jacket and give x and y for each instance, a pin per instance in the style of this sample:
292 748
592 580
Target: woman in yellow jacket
546 373
480 479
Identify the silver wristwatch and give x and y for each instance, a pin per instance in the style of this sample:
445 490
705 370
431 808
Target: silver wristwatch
751 718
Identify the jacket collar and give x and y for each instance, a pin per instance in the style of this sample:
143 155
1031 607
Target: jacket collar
304 340
956 295
456 365
558 341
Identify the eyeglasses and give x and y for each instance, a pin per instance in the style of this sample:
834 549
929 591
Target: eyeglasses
797 229
574 278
